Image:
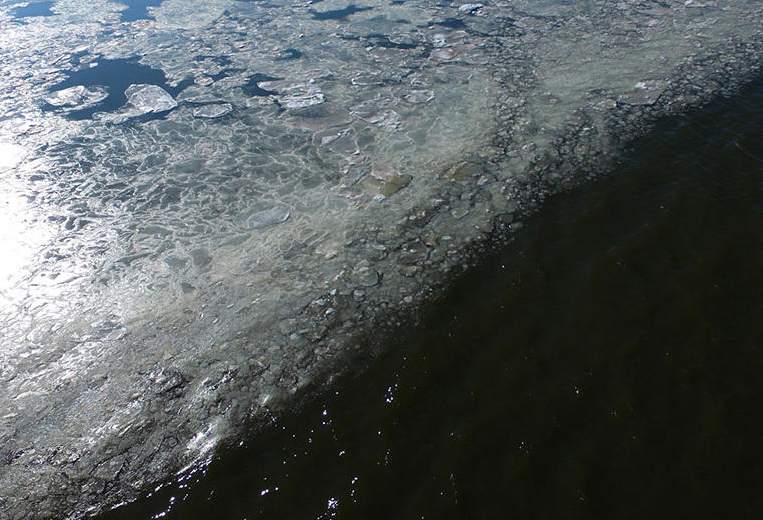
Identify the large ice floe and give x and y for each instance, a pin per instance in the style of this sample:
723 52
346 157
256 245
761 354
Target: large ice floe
204 204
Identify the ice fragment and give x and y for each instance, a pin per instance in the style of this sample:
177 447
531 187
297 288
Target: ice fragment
149 98
470 8
76 96
268 217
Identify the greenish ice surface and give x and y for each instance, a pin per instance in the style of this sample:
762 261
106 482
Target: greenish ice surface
203 210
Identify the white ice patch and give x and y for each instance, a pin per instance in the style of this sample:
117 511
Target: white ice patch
203 443
77 96
142 99
149 98
470 8
302 99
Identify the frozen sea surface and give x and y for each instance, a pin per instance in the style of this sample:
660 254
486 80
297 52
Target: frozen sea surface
202 204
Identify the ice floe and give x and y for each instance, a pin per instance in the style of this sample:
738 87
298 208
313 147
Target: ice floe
78 96
149 98
142 99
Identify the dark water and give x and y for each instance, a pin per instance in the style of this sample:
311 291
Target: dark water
116 75
33 9
138 9
339 14
606 364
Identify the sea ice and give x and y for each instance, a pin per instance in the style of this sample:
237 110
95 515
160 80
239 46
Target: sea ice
11 155
295 95
470 8
76 96
213 111
416 97
149 98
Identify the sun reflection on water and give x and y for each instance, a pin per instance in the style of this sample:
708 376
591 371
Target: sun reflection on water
22 233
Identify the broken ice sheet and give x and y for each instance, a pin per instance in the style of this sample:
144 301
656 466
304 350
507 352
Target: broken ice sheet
341 141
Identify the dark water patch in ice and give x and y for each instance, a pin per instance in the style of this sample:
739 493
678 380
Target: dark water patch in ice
224 74
33 9
338 14
76 57
252 87
116 76
222 61
137 9
453 23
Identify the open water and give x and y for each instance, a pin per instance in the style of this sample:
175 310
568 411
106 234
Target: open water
605 364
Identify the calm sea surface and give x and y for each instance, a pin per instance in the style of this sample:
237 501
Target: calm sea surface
606 364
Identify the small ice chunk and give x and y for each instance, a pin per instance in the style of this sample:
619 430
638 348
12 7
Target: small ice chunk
644 92
342 141
149 98
311 96
470 8
267 217
383 118
76 96
213 111
295 95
